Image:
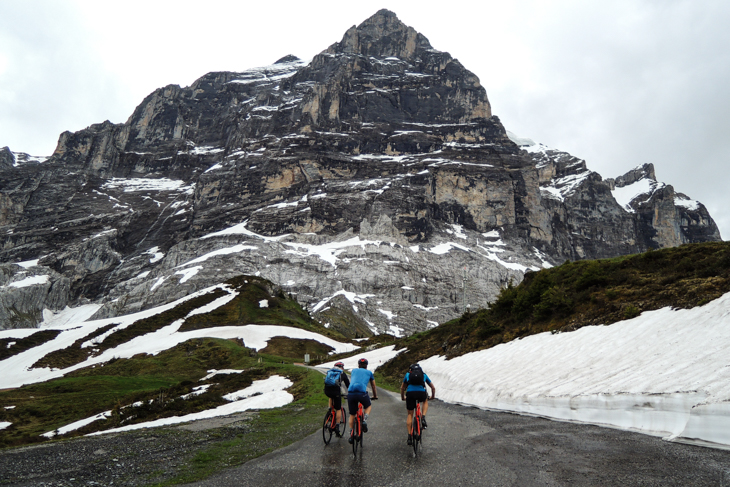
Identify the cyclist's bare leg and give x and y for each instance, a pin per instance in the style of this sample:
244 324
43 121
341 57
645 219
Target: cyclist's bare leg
338 413
409 420
424 408
351 421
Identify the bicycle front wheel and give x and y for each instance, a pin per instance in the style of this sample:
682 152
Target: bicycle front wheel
343 422
326 431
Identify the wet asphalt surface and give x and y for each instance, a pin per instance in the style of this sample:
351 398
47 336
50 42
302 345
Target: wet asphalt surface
468 446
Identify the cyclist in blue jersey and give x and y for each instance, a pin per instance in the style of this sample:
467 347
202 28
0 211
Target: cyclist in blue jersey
357 393
412 390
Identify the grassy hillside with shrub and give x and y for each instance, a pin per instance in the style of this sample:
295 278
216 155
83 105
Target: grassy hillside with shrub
243 309
140 389
577 294
149 387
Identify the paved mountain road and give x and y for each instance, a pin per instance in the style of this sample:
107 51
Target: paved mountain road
468 446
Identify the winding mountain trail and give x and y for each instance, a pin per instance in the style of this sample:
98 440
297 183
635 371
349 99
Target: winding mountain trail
468 446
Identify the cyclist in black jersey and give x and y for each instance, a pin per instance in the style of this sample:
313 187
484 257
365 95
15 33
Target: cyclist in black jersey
334 391
412 390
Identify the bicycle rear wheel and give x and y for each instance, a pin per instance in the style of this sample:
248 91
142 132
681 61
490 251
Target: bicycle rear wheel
326 431
356 432
417 429
416 434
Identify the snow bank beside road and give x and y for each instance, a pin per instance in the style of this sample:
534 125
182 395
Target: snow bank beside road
665 373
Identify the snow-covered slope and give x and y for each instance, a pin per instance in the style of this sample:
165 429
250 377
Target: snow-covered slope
17 369
664 373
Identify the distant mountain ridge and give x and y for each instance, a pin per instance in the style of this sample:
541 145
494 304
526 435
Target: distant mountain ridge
372 183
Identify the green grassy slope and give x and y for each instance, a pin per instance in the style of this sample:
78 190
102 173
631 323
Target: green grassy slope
577 294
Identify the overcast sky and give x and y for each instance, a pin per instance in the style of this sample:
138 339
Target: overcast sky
617 83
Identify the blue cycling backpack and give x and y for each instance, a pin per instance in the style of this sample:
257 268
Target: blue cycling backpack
333 377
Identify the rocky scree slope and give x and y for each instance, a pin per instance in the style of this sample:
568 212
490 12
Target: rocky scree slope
372 182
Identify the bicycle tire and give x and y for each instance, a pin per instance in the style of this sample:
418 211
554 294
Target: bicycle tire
416 437
356 438
326 431
343 422
357 430
417 445
417 429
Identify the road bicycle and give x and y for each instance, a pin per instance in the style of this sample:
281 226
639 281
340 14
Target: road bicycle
416 428
330 423
356 431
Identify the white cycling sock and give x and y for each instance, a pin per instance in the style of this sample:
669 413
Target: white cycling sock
365 417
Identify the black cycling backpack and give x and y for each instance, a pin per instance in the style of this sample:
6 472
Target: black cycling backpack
415 376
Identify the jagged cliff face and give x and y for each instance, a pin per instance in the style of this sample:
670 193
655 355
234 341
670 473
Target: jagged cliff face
373 182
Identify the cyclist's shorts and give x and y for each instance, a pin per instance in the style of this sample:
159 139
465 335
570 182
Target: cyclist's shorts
334 393
413 396
355 398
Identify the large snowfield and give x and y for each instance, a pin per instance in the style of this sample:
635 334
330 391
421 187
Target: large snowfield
663 373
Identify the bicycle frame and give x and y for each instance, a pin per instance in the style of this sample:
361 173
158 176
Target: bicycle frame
416 421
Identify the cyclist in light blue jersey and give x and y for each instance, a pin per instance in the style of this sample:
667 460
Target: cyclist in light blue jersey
357 393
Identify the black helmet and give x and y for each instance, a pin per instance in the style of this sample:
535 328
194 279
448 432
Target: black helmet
362 363
414 366
340 365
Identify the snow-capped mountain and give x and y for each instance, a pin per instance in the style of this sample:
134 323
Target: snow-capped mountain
372 182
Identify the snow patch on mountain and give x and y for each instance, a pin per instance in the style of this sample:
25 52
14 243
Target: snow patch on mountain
626 194
131 185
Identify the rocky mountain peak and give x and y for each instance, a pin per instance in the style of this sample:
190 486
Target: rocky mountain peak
289 58
6 158
372 183
382 35
645 171
384 71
